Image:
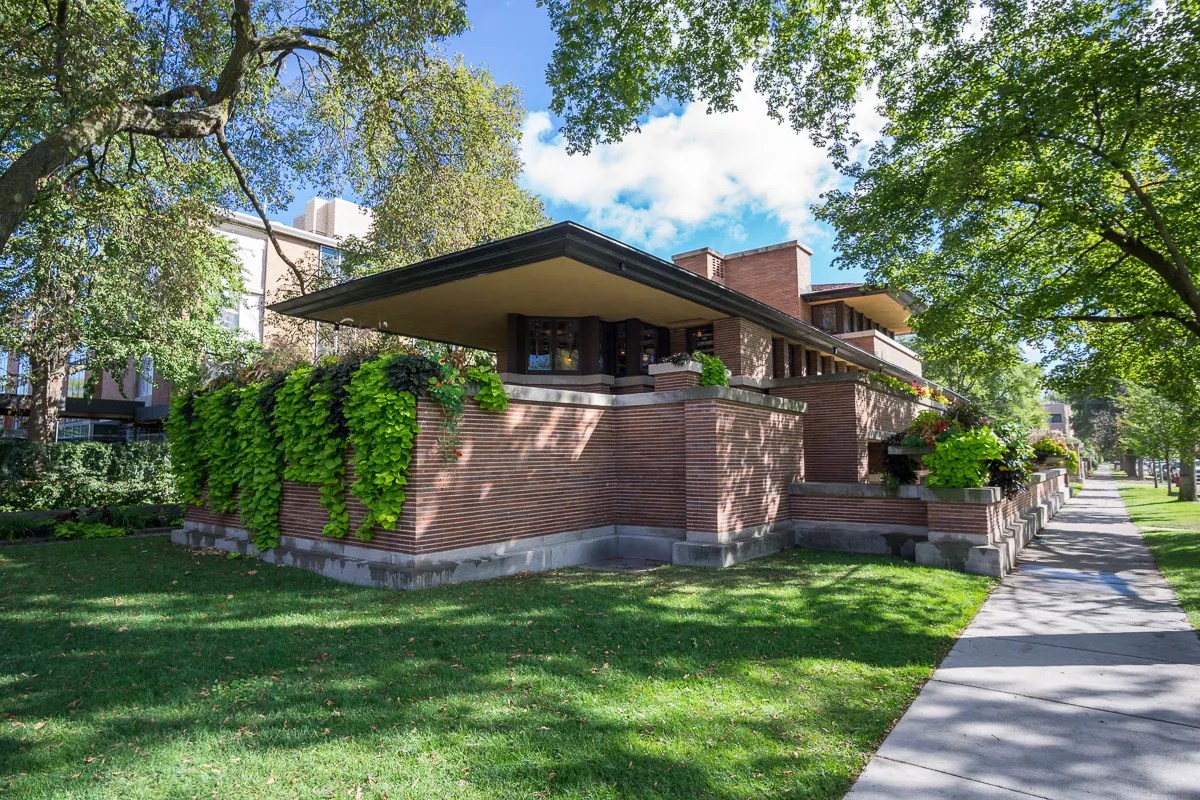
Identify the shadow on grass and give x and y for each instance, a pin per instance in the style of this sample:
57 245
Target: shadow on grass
777 676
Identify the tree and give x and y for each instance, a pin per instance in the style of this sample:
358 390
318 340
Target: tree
124 124
1037 161
995 376
1037 174
1151 425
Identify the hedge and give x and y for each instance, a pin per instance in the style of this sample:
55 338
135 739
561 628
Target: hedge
83 474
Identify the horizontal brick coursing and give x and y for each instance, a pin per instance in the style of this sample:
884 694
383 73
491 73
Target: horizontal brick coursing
831 431
741 461
542 469
866 510
670 381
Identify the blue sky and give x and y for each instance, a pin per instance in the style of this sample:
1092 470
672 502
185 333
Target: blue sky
687 180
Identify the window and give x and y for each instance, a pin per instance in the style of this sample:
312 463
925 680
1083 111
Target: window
77 373
145 381
566 345
621 346
74 430
23 375
552 345
1056 418
332 270
5 383
649 346
700 340
541 344
825 318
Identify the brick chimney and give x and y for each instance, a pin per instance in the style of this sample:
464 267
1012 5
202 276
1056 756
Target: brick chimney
705 262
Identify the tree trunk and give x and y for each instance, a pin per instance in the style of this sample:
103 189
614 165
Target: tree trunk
48 388
1154 475
1187 470
1167 461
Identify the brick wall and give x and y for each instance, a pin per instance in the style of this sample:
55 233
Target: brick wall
865 510
885 348
540 469
649 467
831 433
775 276
741 461
746 348
531 471
841 416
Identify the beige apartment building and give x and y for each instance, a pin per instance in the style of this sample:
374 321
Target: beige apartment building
136 406
1058 417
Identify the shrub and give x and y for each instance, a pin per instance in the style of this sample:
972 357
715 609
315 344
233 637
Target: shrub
87 530
926 429
13 527
1046 445
1011 471
82 474
961 460
712 370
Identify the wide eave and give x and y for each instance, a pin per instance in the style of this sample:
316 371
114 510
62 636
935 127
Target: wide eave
565 269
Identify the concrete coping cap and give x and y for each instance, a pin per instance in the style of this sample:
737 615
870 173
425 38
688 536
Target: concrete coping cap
540 395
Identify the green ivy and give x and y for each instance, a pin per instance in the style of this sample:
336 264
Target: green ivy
313 445
183 439
216 412
712 370
961 460
490 394
383 429
234 446
260 462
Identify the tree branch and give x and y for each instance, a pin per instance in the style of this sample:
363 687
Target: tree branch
223 143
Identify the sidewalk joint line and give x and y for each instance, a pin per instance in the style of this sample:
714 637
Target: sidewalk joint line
1103 652
963 777
1065 703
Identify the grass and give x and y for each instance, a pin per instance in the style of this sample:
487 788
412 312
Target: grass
1172 530
132 668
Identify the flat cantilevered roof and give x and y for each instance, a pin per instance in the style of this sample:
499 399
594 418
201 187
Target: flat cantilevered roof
566 270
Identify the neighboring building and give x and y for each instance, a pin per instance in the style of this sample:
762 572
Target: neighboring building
136 407
607 451
1058 417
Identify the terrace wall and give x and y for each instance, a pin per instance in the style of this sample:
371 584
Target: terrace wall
575 476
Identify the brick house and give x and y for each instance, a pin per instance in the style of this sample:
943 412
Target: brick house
607 452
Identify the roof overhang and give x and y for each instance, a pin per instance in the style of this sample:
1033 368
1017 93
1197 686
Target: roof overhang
890 309
562 270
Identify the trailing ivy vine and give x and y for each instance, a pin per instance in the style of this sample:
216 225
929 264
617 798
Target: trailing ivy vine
218 445
232 447
183 440
260 462
383 428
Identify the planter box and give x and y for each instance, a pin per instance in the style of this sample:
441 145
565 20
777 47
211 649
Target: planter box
1051 461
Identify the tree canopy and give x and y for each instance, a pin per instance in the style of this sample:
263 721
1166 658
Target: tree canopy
1008 388
125 126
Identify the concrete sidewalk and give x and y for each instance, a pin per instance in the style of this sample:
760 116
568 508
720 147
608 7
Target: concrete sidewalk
1079 678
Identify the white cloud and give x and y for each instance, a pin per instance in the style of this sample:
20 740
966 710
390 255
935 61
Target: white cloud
688 169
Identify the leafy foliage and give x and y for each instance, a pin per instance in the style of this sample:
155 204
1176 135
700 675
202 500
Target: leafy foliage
712 370
489 393
1012 470
297 427
260 462
992 374
885 381
87 530
83 474
383 429
961 460
216 415
184 437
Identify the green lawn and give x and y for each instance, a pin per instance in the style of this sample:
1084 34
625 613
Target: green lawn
1172 529
136 669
